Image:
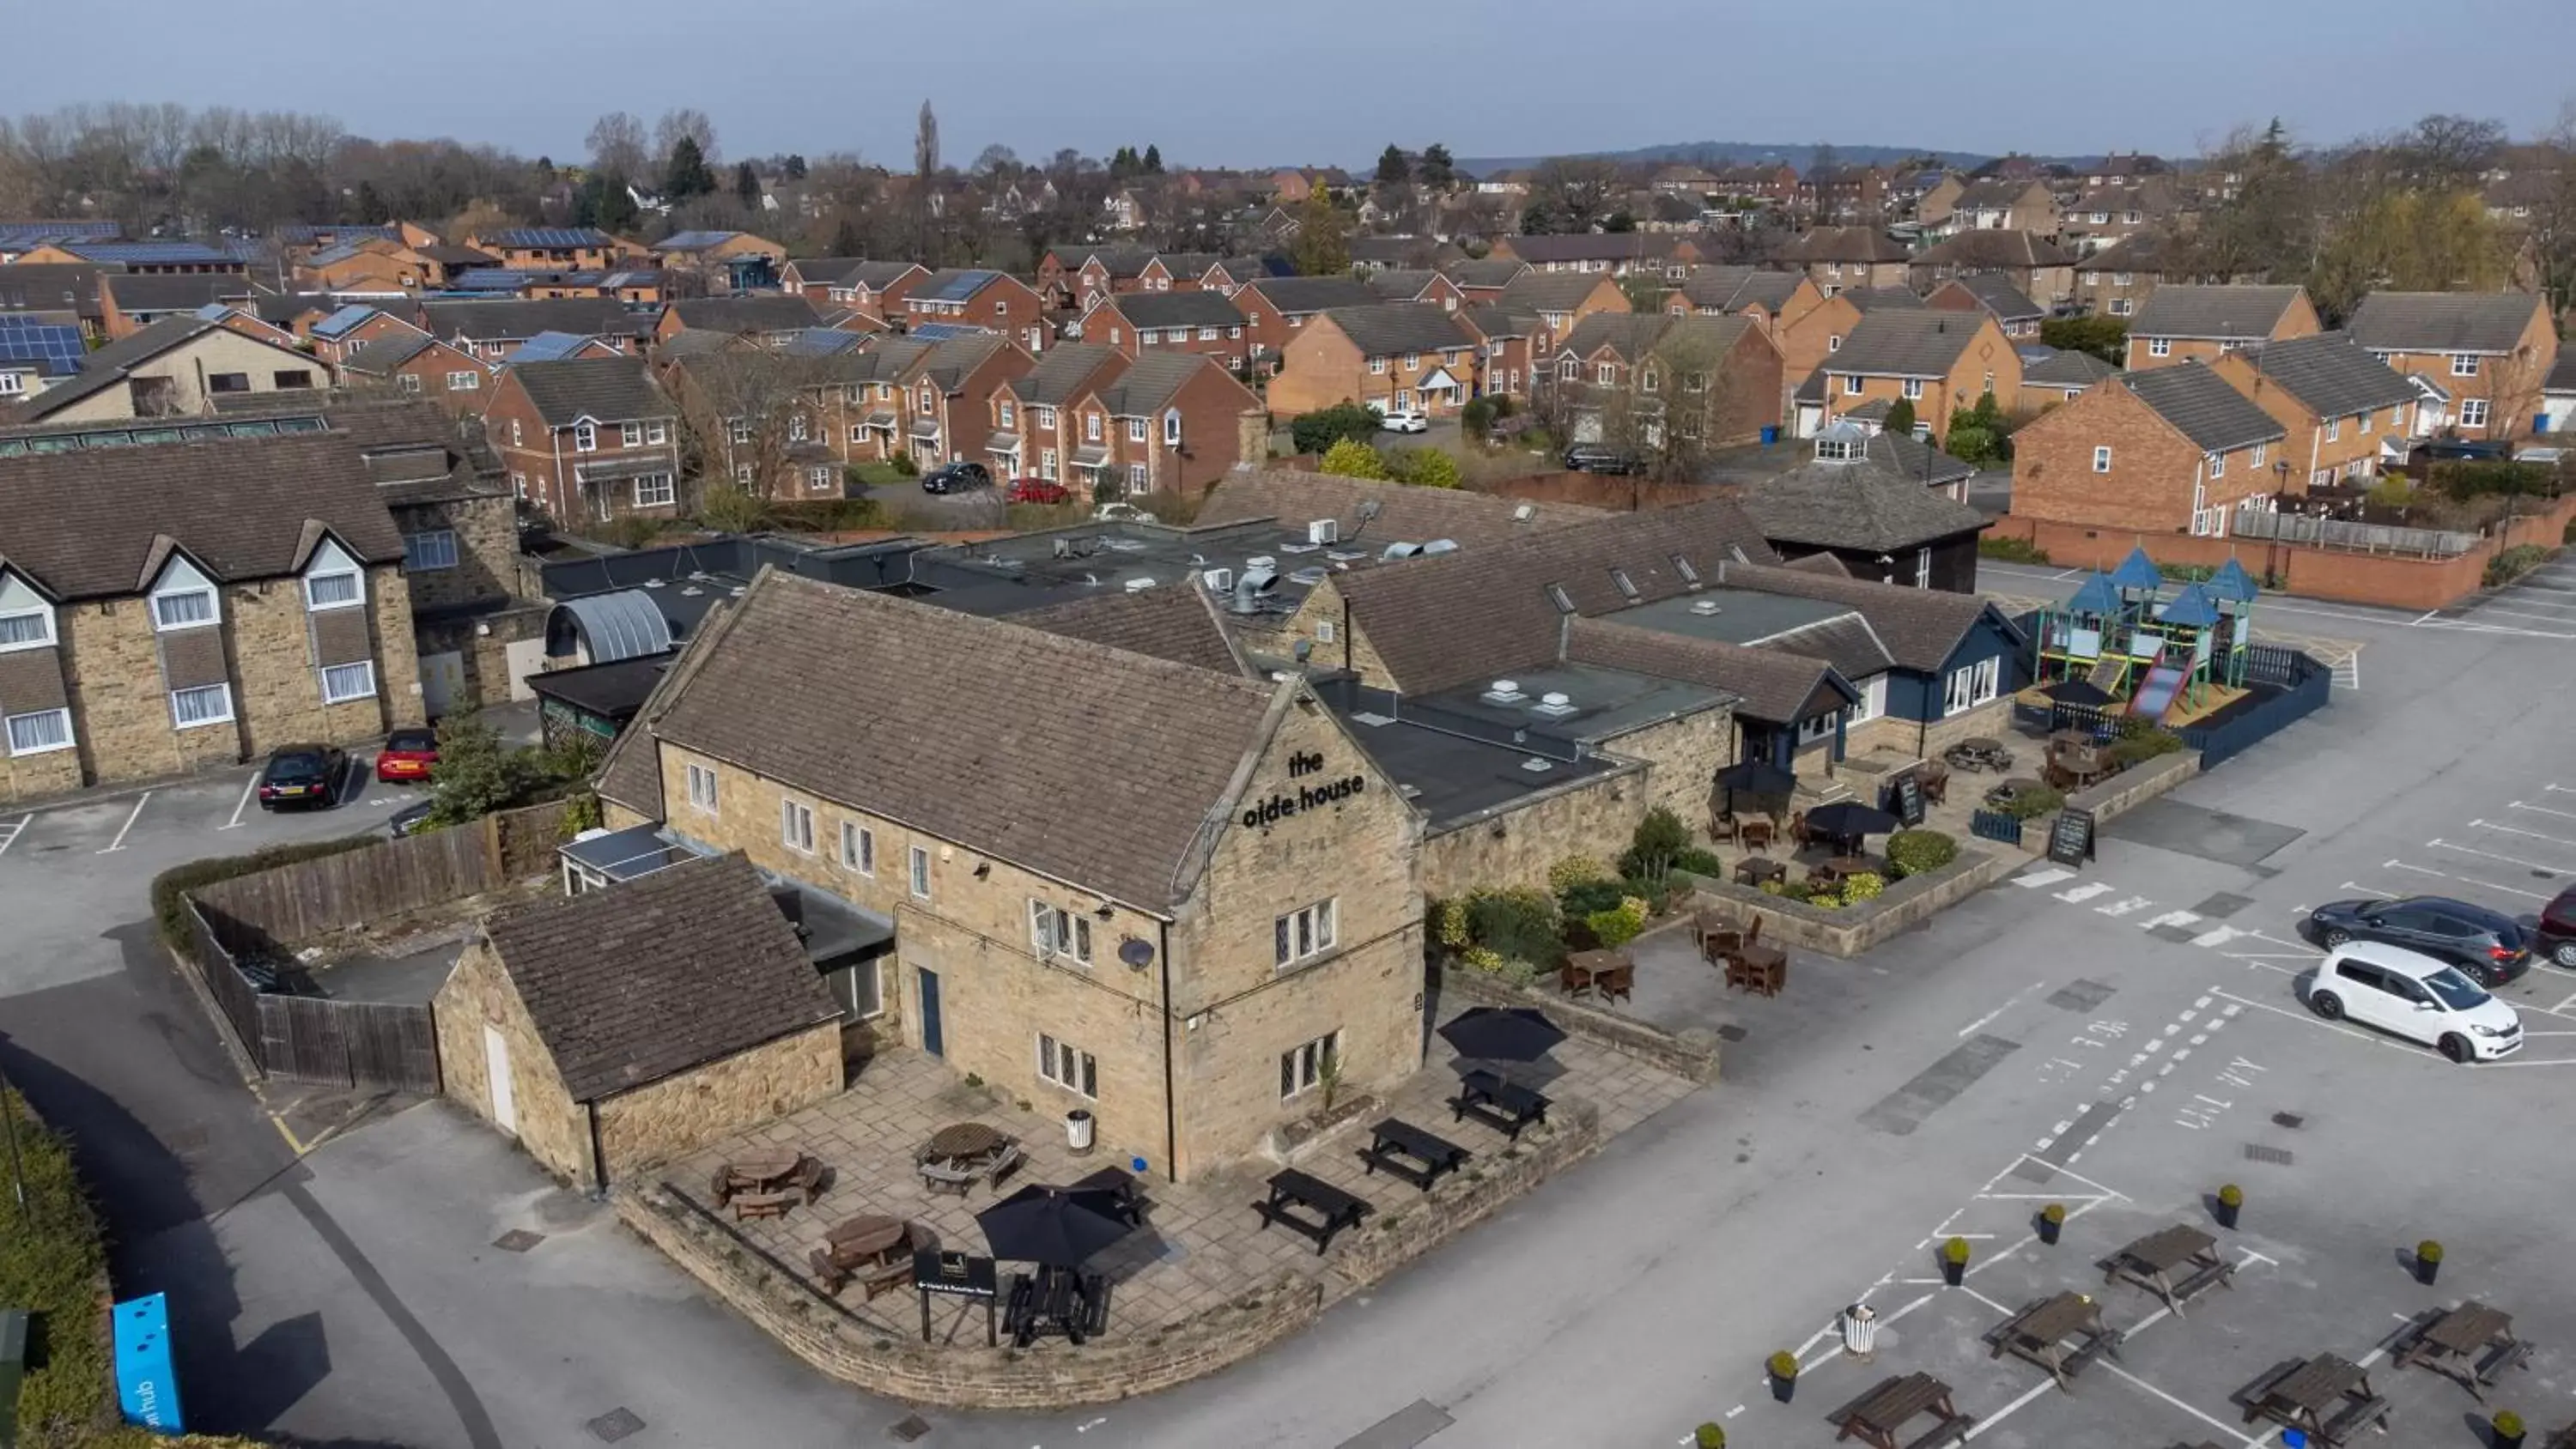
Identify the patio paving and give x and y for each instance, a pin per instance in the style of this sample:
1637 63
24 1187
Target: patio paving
1201 1243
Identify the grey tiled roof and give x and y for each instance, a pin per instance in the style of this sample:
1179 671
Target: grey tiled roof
1550 291
1920 627
1998 295
1404 513
1063 371
518 319
1401 284
753 312
1386 328
1486 271
647 979
1731 289
1152 381
1774 687
1842 244
2489 322
1857 504
1628 335
2212 313
1300 295
1178 623
603 389
1905 342
2332 374
1868 299
1996 249
1919 461
2065 367
173 292
858 698
1500 321
388 352
850 271
1151 310
1992 193
2203 407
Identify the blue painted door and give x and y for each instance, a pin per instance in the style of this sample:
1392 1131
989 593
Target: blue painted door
931 1040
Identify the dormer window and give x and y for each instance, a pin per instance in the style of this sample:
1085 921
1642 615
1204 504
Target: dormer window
184 600
333 580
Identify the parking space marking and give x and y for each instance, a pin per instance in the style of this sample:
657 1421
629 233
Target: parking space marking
2518 830
10 832
2466 880
2542 809
248 787
131 816
2080 894
2439 843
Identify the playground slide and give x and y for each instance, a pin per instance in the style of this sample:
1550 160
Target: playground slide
2156 692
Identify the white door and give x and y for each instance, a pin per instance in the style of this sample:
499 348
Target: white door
2368 999
496 1070
524 657
442 681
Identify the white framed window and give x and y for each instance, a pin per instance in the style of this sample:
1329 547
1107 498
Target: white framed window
1873 699
1569 370
1833 344
738 431
2464 364
2473 412
204 705
1606 374
1145 336
12 383
858 848
344 682
41 732
1046 463
818 478
1303 1068
796 427
585 437
630 435
1324 633
184 609
2363 420
1851 384
1136 476
1172 428
1818 729
702 788
1378 365
2119 306
2159 347
1045 417
2101 460
1091 427
655 489
1913 388
1057 932
1305 933
2259 451
1135 430
1068 1066
466 380
406 383
1975 685
1413 362
1008 414
2334 429
920 881
858 432
429 551
338 589
2217 465
26 629
1207 334
796 826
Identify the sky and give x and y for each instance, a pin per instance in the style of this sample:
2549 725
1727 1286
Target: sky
1221 83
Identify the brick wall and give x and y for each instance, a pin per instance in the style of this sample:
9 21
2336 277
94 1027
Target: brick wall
2149 484
661 1121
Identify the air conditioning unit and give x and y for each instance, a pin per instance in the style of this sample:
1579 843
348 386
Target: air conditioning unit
1324 530
1261 561
1218 580
1138 586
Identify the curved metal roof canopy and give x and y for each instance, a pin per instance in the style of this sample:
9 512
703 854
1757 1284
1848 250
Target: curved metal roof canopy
626 624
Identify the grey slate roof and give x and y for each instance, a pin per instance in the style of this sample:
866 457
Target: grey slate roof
1384 329
2487 322
1401 284
1063 371
1996 249
1404 513
517 319
2203 407
603 389
172 292
386 353
1178 623
645 980
2064 367
1151 310
1151 382
857 697
52 287
1858 504
1867 299
1500 321
109 366
2562 374
950 359
1842 244
1550 291
850 271
1996 293
1297 296
1731 289
1920 627
751 312
2332 374
1628 335
1992 192
2212 313
1775 687
1486 271
1905 342
1920 461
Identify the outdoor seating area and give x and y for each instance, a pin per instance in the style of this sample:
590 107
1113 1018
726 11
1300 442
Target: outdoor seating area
2062 1334
1879 1417
766 1184
2327 1398
2471 1345
2177 1264
1736 949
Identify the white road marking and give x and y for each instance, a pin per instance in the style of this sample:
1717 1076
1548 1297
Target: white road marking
2011 1002
2466 880
2543 809
2127 906
2365 890
13 830
2083 893
2216 936
2222 1426
2049 875
249 786
119 842
2562 1006
2169 918
2439 843
2518 830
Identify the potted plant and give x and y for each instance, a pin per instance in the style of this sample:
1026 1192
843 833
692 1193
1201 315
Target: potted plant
2508 1429
1709 1436
1784 1374
2230 1199
2052 1219
2428 1261
1954 1261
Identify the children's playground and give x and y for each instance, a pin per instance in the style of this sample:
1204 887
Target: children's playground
2133 644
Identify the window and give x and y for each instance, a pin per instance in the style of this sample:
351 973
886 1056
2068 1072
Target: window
1207 334
1135 430
2217 465
1045 417
1046 463
2464 364
183 609
1647 381
1304 933
228 382
1818 729
1145 336
2259 451
1972 686
1068 1067
1606 374
1851 385
209 704
40 732
630 435
2119 306
1377 365
2473 412
858 848
2334 429
858 432
796 826
341 682
338 590
14 383
33 629
2160 347
2101 460
654 489
514 432
2120 279
585 438
1136 477
2363 421
920 873
468 380
1324 631
1055 931
1913 388
1833 344
1569 369
1091 427
1923 568
1302 1069
1172 428
702 788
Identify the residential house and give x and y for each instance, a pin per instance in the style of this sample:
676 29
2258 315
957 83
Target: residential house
555 248
2558 398
239 318
980 297
1937 360
1169 422
766 317
1849 501
1229 275
2051 375
67 293
1843 193
1812 335
2111 214
874 400
2184 322
2338 404
1508 360
414 364
1629 376
2117 280
2489 353
1201 322
492 329
167 258
1691 183
947 394
874 290
587 440
1993 205
349 328
1994 295
1836 257
1276 308
1613 253
1034 430
2126 168
36 351
177 367
1175 271
2039 268
1406 285
132 301
1480 282
1561 300
1391 355
2174 450
1773 182
1773 298
1077 277
1374 254
367 266
721 261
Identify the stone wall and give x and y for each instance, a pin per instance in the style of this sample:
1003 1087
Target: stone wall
665 1119
1682 756
1691 1053
553 1128
1407 1227
487 549
1514 845
1851 930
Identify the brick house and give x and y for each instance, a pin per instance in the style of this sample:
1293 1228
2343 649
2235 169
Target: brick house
979 297
1995 204
1393 284
2039 268
2061 375
2489 353
1393 355
1078 277
874 290
2337 403
1836 257
555 248
2117 280
491 329
769 317
171 607
721 261
415 364
1508 362
1175 271
2110 214
1200 322
1561 300
586 440
1301 921
1842 193
128 303
2186 323
367 265
2175 450
1775 299
344 331
1275 309
177 367
946 395
1168 422
1995 295
1480 281
1939 361
67 294
140 258
1615 254
1812 336
1230 275
1034 430
1633 373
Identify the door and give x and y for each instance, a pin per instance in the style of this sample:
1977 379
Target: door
524 657
442 681
2412 1013
931 1038
496 1070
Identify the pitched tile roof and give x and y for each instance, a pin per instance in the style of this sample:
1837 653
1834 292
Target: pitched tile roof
1864 299
1383 329
751 312
2202 407
1732 289
1592 247
388 352
1499 321
1402 284
51 287
602 389
2212 313
852 271
90 524
172 292
516 319
1992 192
649 978
1843 244
1996 249
1486 271
1996 293
2332 374
2490 322
1858 504
1628 335
2064 367
859 698
1063 371
2136 252
1551 291
1906 342
1908 458
1177 309
1152 381
109 366
1920 627
543 237
956 284
1403 513
1178 623
1297 296
1774 686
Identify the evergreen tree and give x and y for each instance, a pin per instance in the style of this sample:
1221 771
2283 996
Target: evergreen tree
688 175
615 208
371 205
795 167
1153 159
746 187
1900 418
1435 169
1392 168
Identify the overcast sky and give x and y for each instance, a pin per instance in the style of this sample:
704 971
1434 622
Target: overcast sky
1218 82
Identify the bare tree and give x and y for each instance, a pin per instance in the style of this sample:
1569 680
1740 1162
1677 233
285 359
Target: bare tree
925 183
688 122
757 418
616 144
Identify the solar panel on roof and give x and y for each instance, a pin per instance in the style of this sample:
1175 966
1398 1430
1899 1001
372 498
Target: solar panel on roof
56 349
943 331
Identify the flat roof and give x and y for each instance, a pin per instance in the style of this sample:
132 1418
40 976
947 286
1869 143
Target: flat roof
1733 616
1601 704
612 691
1454 778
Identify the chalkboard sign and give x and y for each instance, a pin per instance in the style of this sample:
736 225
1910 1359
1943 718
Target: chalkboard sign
2071 843
1909 799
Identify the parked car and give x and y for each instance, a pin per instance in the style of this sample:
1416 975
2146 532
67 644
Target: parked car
2555 937
408 755
303 775
1594 458
409 820
2493 948
1405 420
2412 995
957 477
1039 490
1120 513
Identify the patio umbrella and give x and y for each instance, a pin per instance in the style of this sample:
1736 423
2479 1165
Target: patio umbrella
1502 1034
2082 693
1756 777
1054 1227
1849 820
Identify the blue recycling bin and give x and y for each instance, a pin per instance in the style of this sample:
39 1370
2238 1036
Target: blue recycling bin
147 1389
1770 434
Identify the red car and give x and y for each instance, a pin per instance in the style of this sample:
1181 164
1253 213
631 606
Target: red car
1039 490
407 756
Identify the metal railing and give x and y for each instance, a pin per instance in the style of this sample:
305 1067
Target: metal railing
2355 537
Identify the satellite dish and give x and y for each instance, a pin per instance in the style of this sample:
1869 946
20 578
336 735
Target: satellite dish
1136 951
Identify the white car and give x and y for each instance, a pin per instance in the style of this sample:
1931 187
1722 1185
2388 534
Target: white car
1120 513
1406 420
2416 997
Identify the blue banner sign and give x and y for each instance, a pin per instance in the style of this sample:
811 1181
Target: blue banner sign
146 1386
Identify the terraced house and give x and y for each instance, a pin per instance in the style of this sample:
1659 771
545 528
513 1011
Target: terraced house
874 290
1939 361
2173 450
976 297
1393 355
1201 322
2341 407
586 440
2482 359
2184 322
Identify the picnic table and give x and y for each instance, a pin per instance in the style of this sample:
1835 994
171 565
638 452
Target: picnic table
962 1153
1121 1184
1055 1301
1409 1152
1609 973
1839 869
1506 1107
765 1182
1333 1208
2061 1334
2326 1397
1875 1417
2470 1345
2151 1263
1756 834
1753 870
874 1249
1978 752
1762 970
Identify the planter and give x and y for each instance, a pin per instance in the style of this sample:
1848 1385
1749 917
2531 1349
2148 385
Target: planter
2049 1228
2505 1441
1953 1272
1782 1389
2427 1269
2225 1211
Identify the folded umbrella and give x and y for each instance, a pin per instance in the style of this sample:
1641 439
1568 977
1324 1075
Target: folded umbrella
1502 1033
1055 1227
1850 820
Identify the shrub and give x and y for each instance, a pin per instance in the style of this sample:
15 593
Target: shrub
1919 852
632 530
1619 925
1351 458
2143 746
728 508
1708 1436
1700 862
2513 563
1866 886
1517 972
1575 870
1579 901
1521 922
1483 958
1316 432
904 466
1783 1365
1449 923
2031 804
2428 1251
1655 893
2012 550
2392 492
2508 1424
1659 837
828 515
2232 1195
1422 467
2182 573
1476 419
1825 901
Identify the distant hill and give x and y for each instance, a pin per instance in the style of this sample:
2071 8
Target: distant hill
1732 153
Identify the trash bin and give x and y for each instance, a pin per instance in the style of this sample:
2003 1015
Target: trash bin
1770 434
1860 1331
1077 1130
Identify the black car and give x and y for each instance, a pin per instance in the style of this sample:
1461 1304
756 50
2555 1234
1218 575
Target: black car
304 775
2490 947
1593 458
410 820
957 478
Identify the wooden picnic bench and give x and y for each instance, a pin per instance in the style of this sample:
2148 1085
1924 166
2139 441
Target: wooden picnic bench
2470 1345
765 1171
762 1204
1409 1152
2062 1334
1753 870
1122 1185
961 1154
873 1249
1876 1417
1507 1107
2326 1397
1334 1209
2151 1261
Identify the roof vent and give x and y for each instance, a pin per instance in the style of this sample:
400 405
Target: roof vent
655 583
1525 513
1441 545
1324 530
1218 580
1537 766
1255 585
1705 607
1505 691
1556 705
1399 550
1139 585
1343 556
1261 561
1371 718
1307 576
691 592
